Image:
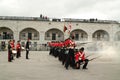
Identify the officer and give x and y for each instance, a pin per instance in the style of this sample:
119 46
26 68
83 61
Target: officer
27 48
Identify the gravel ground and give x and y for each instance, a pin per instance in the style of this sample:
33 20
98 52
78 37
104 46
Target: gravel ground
42 66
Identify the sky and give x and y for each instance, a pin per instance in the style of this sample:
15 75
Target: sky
79 9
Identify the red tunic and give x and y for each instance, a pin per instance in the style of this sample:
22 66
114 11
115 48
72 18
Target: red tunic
18 46
12 45
77 55
69 42
82 56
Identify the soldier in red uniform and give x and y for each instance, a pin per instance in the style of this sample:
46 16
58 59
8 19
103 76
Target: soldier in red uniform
83 59
77 56
70 57
13 48
12 44
18 48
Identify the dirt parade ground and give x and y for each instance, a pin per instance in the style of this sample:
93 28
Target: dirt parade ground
42 66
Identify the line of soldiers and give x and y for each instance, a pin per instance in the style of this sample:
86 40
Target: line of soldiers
68 55
13 50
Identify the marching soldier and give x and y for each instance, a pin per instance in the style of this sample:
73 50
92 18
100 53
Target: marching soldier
65 52
70 57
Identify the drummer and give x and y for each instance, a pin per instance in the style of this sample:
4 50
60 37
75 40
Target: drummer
18 48
13 48
9 51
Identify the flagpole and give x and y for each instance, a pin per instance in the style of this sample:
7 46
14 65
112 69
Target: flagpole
69 28
64 30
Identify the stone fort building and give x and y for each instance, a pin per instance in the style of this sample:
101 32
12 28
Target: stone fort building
42 30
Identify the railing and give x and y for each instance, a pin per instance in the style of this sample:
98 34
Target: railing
6 37
23 18
56 19
38 47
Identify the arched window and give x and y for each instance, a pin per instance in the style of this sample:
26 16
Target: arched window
79 35
54 34
29 33
6 33
100 35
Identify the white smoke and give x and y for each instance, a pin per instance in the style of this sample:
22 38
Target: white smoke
106 50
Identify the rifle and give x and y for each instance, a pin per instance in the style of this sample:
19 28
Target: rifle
94 58
89 55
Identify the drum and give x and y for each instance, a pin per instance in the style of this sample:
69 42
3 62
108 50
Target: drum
14 51
23 48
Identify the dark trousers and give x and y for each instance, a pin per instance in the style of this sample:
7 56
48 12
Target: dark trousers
67 62
70 59
63 58
9 56
77 65
18 53
50 51
85 63
12 56
27 52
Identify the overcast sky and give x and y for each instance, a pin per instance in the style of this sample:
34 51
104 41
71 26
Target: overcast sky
82 9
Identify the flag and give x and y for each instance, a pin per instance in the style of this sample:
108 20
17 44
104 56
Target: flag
69 28
65 28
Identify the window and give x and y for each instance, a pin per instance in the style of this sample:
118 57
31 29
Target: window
4 35
53 36
35 34
23 34
48 35
29 35
82 35
76 36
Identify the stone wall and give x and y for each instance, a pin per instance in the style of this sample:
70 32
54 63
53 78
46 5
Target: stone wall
43 26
